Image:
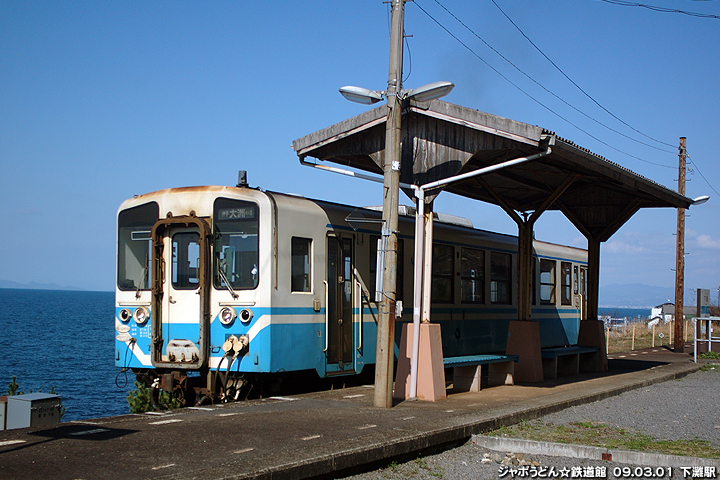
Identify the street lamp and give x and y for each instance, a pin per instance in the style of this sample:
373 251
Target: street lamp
428 92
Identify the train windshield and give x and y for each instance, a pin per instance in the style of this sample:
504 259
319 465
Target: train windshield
135 246
236 244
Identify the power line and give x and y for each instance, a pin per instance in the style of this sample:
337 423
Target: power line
552 93
701 174
661 9
582 90
526 93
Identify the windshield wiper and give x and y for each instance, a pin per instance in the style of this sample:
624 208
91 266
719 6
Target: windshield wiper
142 280
227 283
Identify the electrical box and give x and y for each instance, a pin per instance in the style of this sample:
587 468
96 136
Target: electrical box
3 405
32 410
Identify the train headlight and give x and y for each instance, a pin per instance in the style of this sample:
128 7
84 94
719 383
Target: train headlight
125 315
141 315
246 315
227 315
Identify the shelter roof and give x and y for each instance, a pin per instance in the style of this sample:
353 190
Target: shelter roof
440 140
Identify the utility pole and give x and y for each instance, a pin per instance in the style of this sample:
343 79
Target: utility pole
384 360
679 344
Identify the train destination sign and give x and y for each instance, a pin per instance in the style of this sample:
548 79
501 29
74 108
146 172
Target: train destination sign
236 213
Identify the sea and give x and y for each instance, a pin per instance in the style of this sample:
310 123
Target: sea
629 313
63 339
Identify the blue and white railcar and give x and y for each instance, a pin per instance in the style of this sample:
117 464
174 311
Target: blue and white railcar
221 286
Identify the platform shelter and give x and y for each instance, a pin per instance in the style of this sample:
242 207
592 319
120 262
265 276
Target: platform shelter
534 171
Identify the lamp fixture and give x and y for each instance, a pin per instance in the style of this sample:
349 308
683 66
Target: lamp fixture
700 200
431 91
361 95
425 93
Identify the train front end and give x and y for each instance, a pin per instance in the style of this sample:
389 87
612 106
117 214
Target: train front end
189 287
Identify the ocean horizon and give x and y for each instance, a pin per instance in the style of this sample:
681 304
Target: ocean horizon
63 339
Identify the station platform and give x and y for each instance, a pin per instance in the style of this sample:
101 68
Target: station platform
330 433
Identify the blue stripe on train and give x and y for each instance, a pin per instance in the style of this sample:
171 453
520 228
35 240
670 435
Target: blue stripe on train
299 346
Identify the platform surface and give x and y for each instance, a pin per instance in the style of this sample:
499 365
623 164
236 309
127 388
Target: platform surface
307 435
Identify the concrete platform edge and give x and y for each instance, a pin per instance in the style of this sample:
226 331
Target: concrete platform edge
515 445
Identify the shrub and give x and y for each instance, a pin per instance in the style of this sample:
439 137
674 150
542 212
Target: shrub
140 399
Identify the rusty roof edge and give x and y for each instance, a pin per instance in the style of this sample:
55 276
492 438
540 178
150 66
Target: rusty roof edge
339 130
654 188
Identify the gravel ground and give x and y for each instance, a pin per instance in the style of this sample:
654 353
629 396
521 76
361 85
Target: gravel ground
681 409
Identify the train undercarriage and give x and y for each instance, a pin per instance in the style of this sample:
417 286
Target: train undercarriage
206 387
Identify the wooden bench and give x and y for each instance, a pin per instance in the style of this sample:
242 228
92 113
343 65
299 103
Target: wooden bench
568 360
467 371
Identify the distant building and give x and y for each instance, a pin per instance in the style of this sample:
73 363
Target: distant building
666 312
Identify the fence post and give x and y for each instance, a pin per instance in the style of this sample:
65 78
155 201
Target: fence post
653 340
607 340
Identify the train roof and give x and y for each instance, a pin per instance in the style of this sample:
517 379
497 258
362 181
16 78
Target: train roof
406 212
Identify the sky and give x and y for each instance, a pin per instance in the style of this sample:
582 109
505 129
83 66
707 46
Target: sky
100 101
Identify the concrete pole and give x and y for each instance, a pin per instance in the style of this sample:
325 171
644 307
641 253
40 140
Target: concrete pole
680 255
384 360
417 289
427 266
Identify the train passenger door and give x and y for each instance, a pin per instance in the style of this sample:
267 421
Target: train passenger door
340 302
180 292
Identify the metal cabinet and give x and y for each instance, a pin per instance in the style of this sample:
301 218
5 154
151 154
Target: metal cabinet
32 410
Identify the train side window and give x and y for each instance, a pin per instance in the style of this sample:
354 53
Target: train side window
547 281
500 277
300 270
442 273
566 283
372 279
135 247
472 276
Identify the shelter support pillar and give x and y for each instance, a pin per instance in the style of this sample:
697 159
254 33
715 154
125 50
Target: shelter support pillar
430 382
593 280
525 270
431 370
427 263
523 337
592 331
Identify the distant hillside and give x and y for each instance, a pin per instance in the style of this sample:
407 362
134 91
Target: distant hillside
635 295
35 286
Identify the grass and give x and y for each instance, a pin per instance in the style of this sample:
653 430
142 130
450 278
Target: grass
710 367
710 355
602 435
621 339
417 467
